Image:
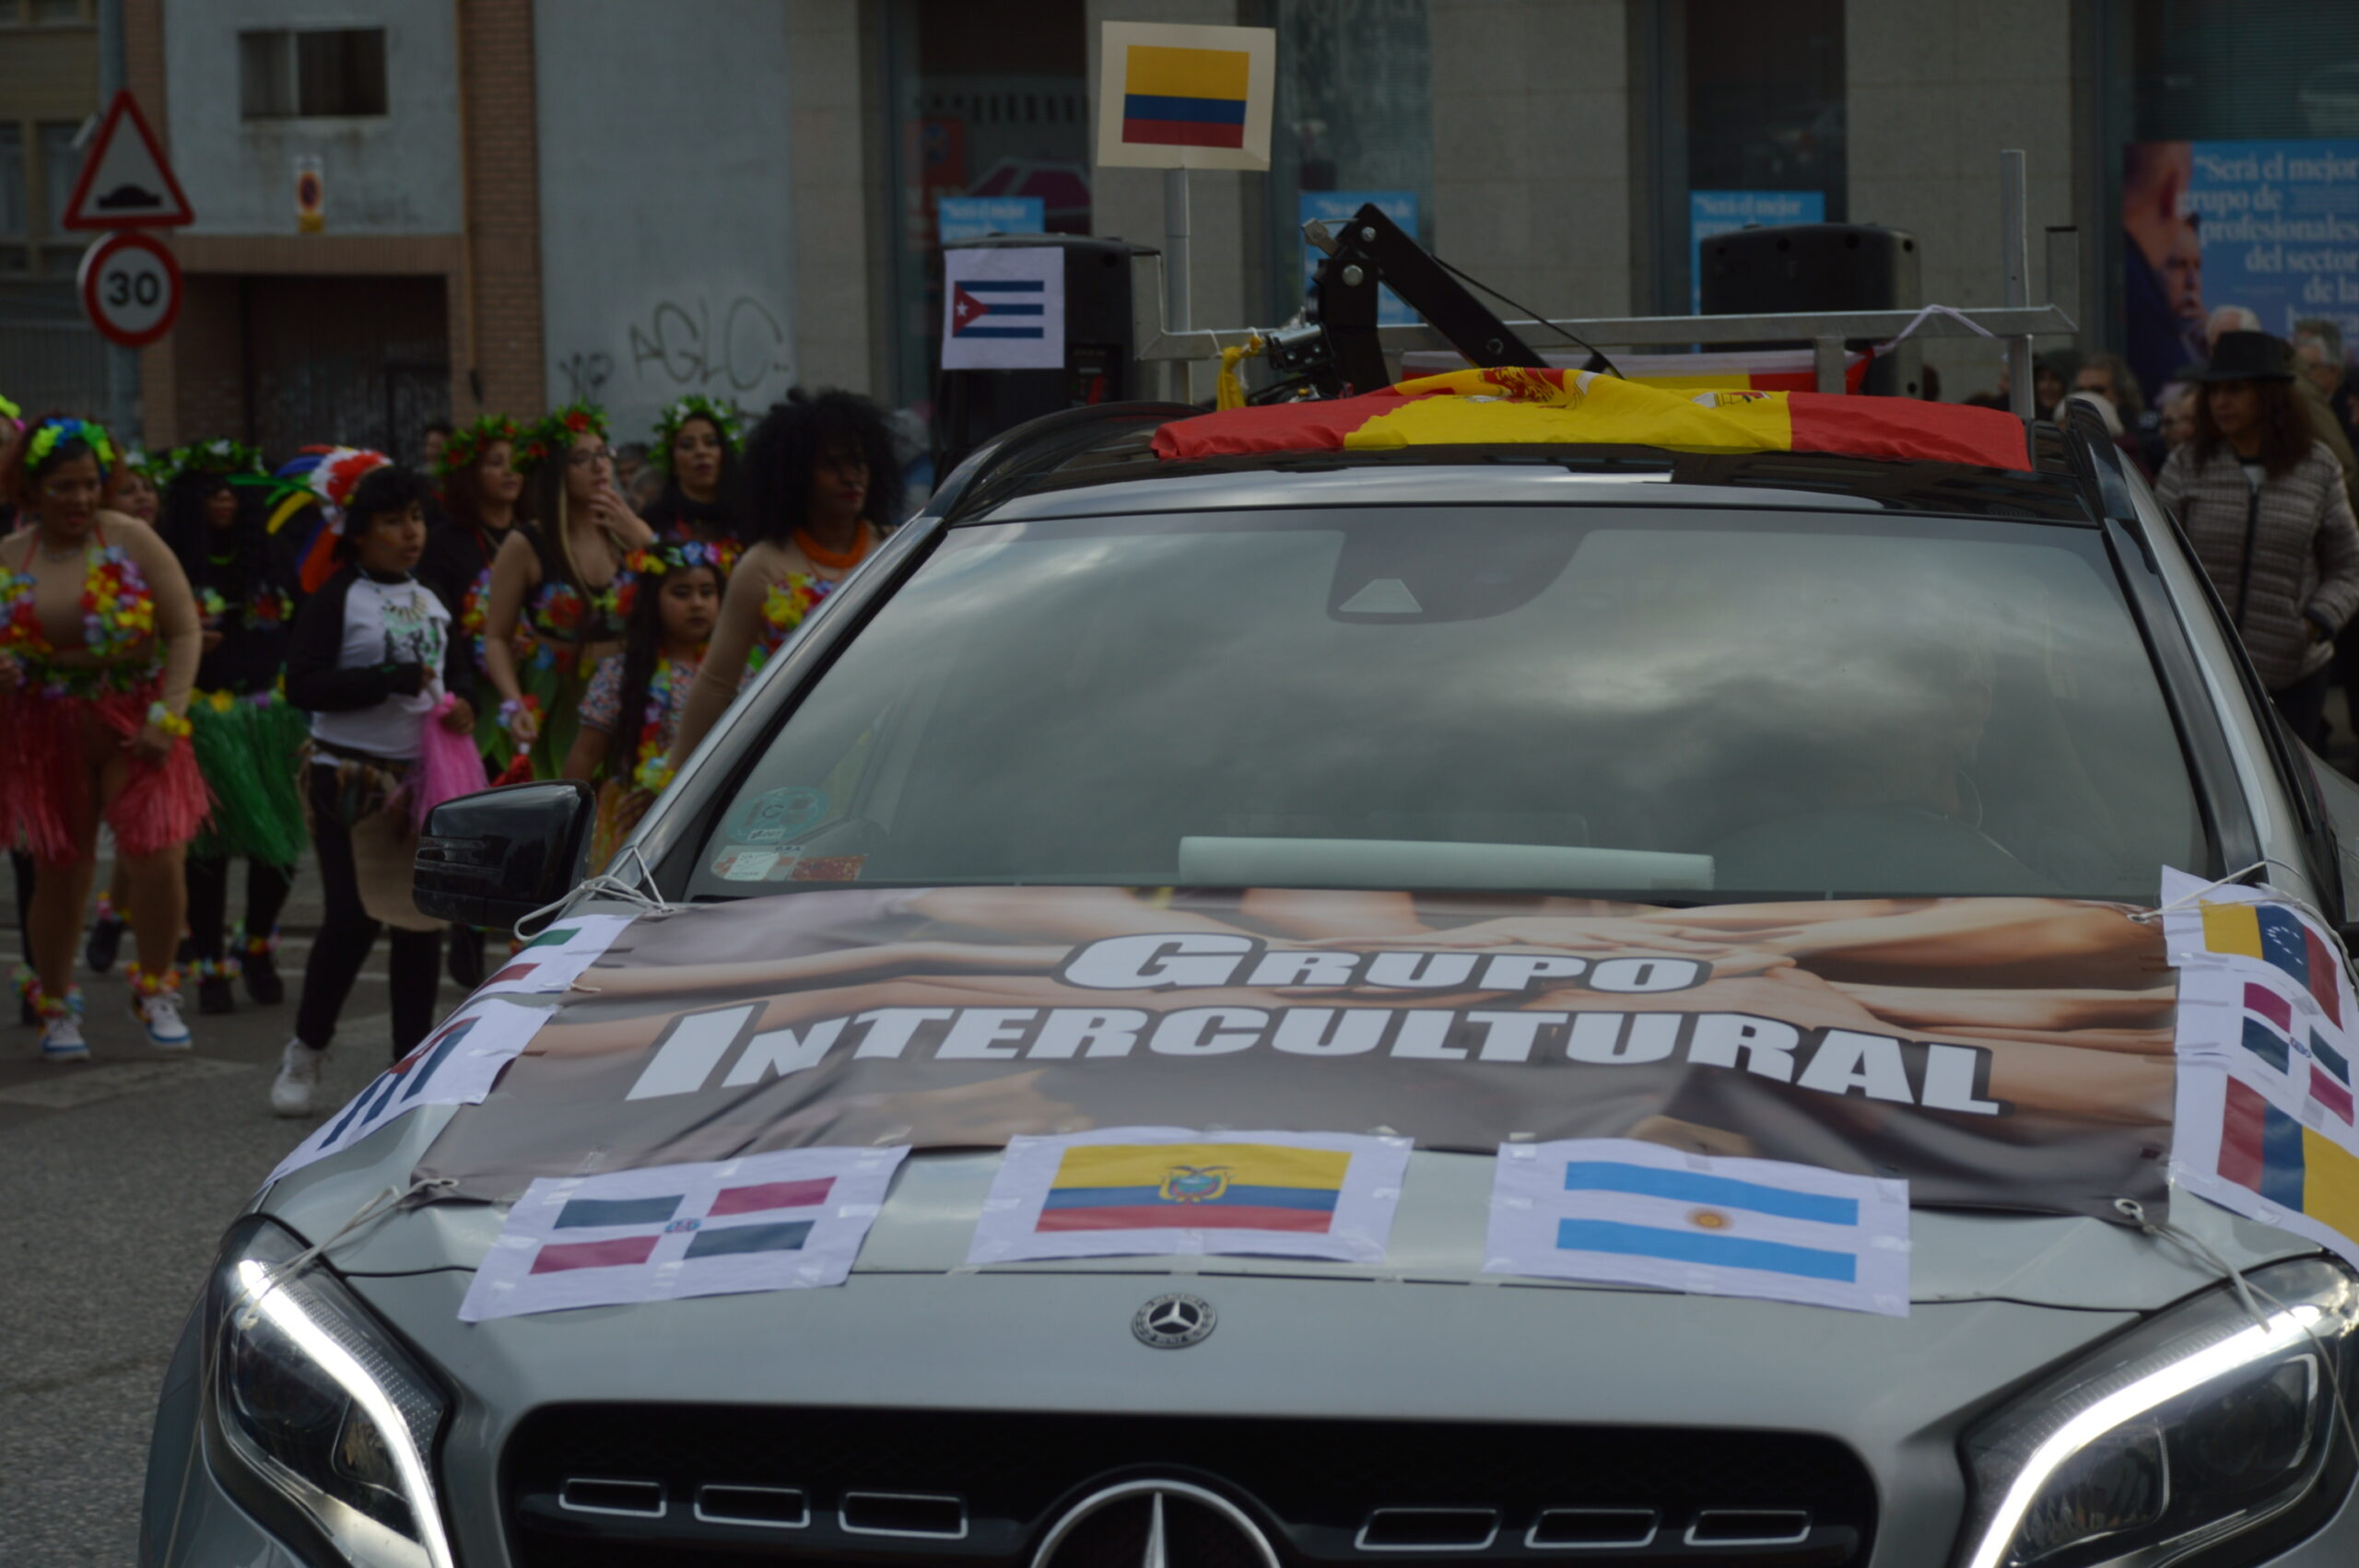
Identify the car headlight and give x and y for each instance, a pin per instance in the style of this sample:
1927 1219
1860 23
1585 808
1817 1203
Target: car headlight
313 1401
2201 1426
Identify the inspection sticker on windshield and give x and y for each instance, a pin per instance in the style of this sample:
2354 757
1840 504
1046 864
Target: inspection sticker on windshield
1620 1211
1161 1191
456 1065
774 1222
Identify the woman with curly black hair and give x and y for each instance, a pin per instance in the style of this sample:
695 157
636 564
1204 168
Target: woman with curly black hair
248 738
697 442
819 487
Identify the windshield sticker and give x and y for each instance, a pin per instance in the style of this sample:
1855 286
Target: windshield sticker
1166 1191
829 868
2009 1053
1622 1212
743 862
456 1065
780 1222
777 815
2265 1103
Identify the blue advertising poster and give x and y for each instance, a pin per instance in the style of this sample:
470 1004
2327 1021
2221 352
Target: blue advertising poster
1334 208
972 218
2269 225
1711 213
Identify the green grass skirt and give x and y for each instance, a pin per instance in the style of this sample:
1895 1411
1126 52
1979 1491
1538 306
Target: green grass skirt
250 754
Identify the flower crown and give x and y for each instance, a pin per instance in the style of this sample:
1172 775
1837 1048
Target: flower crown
467 443
559 430
676 555
220 456
53 431
695 405
10 412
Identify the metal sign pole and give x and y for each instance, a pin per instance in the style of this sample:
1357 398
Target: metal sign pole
2014 257
1177 309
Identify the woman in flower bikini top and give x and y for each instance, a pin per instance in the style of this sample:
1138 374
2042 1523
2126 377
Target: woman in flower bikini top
559 574
101 639
820 485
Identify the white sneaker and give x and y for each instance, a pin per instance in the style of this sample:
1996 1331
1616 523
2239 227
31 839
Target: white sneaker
161 1015
297 1079
61 1040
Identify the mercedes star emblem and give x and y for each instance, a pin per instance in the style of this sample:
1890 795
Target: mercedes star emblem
1154 1524
1174 1322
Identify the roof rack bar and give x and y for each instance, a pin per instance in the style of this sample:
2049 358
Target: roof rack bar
1157 341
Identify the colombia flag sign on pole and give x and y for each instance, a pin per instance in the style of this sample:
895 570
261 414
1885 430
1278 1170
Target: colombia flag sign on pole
1185 97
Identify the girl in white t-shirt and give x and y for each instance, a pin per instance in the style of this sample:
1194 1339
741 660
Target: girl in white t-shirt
371 660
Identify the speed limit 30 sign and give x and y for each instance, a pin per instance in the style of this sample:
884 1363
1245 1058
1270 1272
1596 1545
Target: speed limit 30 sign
131 288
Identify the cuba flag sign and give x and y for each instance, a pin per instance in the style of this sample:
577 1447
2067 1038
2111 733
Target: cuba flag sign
1003 307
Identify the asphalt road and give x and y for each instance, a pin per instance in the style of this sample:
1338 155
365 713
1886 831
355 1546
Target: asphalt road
116 1179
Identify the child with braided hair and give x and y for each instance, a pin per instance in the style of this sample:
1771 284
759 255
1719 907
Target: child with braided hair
632 707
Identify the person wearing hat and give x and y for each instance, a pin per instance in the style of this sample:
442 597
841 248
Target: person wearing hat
2263 501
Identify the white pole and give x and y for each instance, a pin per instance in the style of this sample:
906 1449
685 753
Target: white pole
1177 313
2015 247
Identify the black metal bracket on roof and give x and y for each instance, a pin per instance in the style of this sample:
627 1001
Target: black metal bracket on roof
1035 445
1370 249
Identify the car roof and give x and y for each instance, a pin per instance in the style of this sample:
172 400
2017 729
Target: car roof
1091 462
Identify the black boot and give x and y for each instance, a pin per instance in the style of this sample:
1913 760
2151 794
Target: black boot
213 995
263 983
106 938
467 957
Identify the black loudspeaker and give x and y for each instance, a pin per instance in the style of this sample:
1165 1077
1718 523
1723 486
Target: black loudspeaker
1820 266
971 406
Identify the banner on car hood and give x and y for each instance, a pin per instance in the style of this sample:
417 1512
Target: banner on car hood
2012 1053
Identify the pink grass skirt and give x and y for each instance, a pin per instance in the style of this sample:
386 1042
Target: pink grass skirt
46 743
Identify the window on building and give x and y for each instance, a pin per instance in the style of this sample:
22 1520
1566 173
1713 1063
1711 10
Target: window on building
15 190
60 163
338 73
59 13
1747 99
1353 123
990 102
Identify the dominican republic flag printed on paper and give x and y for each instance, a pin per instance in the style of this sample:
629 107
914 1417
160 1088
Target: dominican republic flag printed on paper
1003 308
555 959
777 1222
456 1065
1619 1210
1166 1191
2251 1019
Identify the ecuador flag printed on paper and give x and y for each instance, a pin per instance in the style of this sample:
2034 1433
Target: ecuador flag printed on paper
2293 1166
1120 1187
1190 98
1508 406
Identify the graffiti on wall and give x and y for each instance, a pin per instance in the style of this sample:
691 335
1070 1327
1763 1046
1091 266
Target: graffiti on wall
693 346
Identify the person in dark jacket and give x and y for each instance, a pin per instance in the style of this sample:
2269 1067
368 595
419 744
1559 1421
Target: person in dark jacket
248 738
2262 502
372 662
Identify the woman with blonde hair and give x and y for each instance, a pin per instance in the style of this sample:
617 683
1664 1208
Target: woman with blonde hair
560 575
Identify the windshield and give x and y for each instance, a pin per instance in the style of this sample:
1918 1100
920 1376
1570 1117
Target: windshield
1574 700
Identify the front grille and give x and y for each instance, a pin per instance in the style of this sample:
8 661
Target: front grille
686 1486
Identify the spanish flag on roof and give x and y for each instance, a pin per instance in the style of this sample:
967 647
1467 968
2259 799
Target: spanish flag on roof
1505 407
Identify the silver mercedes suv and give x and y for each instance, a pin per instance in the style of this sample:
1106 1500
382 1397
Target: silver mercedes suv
1131 785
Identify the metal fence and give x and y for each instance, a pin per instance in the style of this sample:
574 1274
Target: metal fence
53 364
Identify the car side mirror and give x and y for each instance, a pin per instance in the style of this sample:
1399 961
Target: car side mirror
492 858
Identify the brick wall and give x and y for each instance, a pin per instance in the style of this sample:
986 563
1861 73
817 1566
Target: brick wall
207 355
503 217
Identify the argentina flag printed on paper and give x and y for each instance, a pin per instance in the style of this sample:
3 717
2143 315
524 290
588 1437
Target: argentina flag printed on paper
1618 1210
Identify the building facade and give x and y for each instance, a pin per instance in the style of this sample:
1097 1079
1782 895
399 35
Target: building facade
49 89
527 201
